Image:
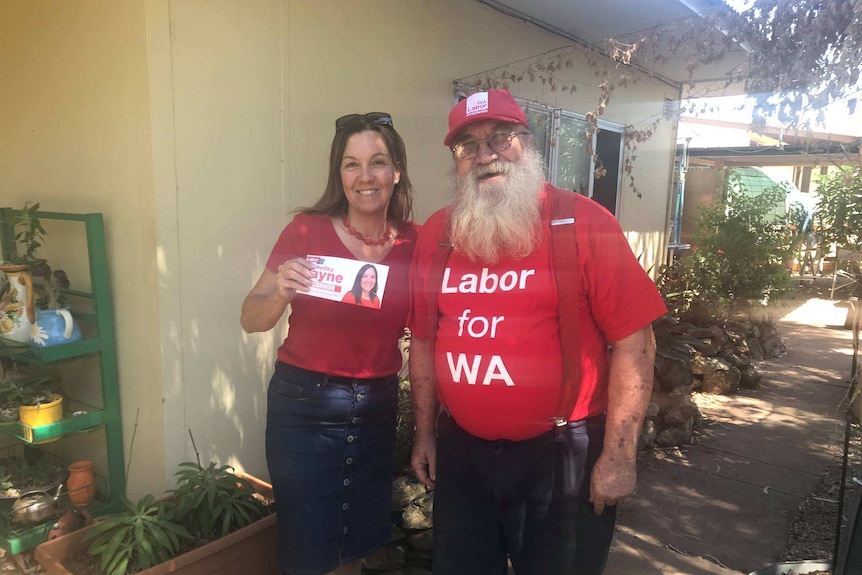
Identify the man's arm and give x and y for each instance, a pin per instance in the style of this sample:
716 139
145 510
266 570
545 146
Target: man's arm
630 386
423 394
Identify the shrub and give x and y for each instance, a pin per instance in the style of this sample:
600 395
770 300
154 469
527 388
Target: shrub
739 255
839 209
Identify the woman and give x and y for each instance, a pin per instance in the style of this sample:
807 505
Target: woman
364 290
332 401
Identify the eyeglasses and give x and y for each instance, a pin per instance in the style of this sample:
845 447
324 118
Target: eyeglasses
499 141
378 118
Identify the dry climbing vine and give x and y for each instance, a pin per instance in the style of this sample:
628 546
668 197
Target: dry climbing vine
800 55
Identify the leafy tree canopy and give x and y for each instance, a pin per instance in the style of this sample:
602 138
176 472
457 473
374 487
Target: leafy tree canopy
802 55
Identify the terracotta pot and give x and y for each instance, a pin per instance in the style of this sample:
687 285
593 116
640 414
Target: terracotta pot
252 550
81 483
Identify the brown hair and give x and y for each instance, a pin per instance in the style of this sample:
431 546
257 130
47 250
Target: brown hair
334 203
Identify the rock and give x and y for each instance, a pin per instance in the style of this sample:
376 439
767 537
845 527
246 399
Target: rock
652 409
386 559
396 534
721 382
418 514
749 377
672 373
647 434
405 490
702 365
774 347
755 349
701 333
423 540
736 332
681 398
737 360
677 435
674 416
678 328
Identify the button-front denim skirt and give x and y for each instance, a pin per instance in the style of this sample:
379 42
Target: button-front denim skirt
330 444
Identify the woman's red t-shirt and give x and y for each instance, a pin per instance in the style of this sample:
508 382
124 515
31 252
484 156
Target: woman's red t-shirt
334 338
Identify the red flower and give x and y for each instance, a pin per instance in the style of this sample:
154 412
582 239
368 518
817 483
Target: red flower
719 251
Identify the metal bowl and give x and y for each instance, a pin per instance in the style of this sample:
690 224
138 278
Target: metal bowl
794 568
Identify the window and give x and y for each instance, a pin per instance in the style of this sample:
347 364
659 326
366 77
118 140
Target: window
802 178
560 138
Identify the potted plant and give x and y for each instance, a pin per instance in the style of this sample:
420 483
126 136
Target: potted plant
214 522
39 402
8 400
51 323
19 475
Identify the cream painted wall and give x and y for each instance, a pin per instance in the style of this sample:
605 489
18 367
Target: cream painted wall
75 135
217 87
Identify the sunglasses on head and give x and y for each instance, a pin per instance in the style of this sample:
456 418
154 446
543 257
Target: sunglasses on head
378 118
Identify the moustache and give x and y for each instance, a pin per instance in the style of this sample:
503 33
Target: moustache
494 168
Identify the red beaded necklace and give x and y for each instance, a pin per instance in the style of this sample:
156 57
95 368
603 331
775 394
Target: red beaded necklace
365 239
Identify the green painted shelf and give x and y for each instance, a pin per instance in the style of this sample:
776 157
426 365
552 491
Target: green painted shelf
77 417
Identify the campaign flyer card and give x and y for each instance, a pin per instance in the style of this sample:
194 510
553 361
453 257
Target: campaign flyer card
349 281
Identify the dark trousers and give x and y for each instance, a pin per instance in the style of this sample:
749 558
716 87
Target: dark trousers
527 501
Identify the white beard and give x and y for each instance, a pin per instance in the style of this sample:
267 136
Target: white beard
490 221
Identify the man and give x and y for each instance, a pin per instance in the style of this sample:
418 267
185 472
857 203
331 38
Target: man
512 481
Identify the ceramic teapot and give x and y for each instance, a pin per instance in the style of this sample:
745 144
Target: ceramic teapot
53 327
17 306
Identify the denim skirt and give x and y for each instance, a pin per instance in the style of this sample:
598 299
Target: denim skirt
330 445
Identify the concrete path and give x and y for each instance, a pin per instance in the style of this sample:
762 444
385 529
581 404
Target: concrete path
723 505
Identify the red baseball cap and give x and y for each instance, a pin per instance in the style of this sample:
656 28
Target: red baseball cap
490 105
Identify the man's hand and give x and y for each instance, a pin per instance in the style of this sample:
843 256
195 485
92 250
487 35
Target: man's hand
424 459
611 482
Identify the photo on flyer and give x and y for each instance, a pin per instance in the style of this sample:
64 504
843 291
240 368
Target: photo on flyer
348 281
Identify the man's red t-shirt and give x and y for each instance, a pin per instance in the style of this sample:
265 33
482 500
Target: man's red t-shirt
336 338
497 352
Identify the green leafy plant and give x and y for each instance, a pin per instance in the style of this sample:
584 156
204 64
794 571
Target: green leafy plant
31 236
143 535
18 475
29 390
740 255
839 208
211 501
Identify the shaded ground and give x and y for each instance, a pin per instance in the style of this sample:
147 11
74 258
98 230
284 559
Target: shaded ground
812 532
747 492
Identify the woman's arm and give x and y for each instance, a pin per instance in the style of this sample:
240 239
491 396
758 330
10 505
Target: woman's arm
265 303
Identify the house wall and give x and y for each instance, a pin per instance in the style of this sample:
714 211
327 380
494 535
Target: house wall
218 117
75 135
